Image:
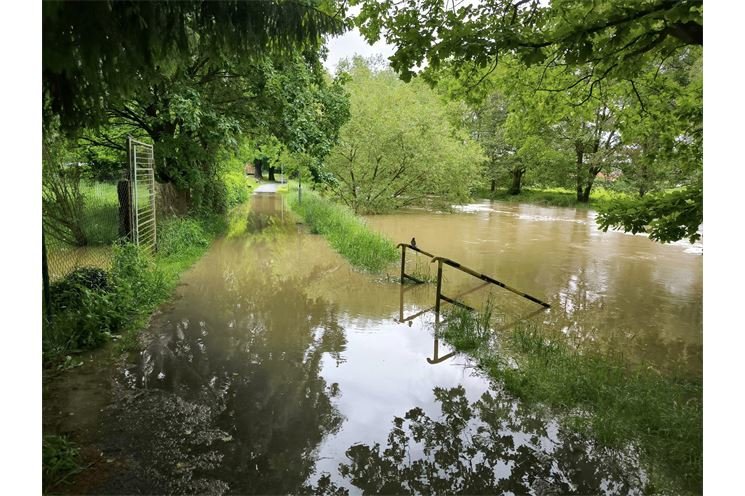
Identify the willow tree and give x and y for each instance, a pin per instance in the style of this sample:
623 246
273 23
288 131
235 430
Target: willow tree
399 147
613 41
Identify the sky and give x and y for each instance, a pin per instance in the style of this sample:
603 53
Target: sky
351 43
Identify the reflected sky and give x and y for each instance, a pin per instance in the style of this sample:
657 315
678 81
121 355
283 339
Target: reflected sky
277 368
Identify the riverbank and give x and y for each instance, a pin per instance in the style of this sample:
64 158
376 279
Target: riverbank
555 197
597 392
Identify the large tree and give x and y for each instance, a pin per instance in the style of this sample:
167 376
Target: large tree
99 54
399 148
615 41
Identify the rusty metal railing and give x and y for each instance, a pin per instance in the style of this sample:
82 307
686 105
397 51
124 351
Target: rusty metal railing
488 279
404 275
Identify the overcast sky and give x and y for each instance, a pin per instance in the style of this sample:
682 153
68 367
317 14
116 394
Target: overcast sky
350 43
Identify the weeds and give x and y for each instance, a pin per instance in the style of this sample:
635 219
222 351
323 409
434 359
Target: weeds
345 232
59 458
598 393
90 305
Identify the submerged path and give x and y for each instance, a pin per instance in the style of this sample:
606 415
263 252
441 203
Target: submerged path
278 369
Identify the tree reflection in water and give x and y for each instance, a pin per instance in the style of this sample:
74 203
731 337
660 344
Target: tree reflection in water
493 445
230 393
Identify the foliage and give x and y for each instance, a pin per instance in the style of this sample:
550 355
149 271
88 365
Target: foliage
237 188
399 148
667 216
176 233
59 459
62 199
614 38
88 311
345 232
599 393
493 445
557 197
100 54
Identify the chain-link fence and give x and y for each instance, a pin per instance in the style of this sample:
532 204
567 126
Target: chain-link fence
81 219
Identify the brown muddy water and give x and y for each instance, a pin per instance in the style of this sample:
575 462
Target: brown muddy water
277 368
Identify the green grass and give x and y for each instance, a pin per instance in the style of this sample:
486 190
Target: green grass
346 233
598 393
59 458
137 283
557 197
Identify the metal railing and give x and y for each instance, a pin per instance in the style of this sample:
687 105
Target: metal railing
443 260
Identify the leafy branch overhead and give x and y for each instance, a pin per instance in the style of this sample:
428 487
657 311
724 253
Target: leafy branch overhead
613 36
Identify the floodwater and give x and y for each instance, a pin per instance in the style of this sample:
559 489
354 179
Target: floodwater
278 368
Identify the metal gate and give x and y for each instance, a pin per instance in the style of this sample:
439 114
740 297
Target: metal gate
142 193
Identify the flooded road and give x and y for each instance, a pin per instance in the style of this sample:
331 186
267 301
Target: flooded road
279 369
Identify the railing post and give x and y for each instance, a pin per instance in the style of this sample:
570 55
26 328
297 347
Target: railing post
439 288
403 262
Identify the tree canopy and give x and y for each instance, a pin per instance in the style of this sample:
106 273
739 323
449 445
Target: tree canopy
98 54
399 147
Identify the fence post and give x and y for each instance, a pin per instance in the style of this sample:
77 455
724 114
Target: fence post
439 288
125 225
45 277
403 262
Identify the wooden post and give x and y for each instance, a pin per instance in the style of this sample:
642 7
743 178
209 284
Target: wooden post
125 226
45 278
403 262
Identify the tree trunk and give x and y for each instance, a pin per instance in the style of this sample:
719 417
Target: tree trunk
257 168
271 174
592 172
493 185
517 177
579 148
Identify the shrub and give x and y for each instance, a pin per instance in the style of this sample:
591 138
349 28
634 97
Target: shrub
237 188
89 305
59 458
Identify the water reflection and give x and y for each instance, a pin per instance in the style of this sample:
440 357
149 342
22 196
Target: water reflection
276 357
492 445
238 358
603 288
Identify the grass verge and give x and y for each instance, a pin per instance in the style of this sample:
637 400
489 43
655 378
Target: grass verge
91 305
556 197
345 232
597 393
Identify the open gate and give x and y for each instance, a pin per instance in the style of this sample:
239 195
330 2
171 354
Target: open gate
142 193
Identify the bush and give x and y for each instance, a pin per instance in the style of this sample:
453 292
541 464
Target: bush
89 305
237 188
59 458
68 292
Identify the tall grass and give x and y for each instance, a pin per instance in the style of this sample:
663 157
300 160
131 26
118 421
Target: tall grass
345 232
597 393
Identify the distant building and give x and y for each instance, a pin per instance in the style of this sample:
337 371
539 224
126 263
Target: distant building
250 169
